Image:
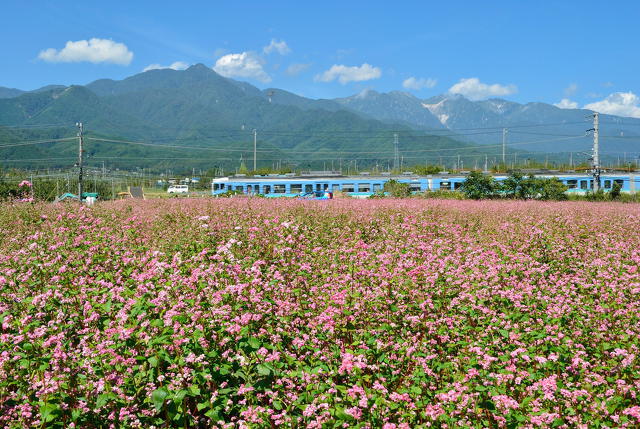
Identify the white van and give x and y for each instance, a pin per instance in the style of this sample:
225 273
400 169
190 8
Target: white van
178 189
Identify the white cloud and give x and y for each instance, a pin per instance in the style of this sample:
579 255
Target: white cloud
570 90
279 47
419 83
618 103
178 65
565 103
245 64
473 89
297 68
93 51
346 74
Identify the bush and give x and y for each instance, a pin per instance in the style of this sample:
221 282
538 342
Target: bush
614 193
397 189
479 186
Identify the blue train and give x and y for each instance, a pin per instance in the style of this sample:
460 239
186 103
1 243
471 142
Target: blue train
364 185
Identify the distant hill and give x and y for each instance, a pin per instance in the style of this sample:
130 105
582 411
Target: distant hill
9 92
482 121
394 107
173 112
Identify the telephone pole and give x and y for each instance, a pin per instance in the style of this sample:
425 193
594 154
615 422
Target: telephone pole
255 141
396 152
80 150
596 152
504 145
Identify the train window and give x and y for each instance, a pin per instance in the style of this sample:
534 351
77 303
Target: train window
364 187
584 184
377 187
279 189
572 184
607 184
415 187
348 187
249 188
457 185
296 188
619 182
335 187
308 188
240 188
445 186
266 189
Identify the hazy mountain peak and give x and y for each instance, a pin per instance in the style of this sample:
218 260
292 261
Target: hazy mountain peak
367 92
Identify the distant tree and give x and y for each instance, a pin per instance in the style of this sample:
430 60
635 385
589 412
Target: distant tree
478 186
397 189
243 168
614 193
512 185
426 170
552 189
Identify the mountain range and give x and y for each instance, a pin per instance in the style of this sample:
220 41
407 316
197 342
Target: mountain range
196 117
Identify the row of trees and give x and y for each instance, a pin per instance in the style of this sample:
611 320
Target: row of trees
479 186
518 186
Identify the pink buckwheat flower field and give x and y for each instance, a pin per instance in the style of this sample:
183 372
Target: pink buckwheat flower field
344 313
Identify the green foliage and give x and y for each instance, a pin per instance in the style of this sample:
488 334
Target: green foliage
519 186
614 193
512 185
479 186
397 189
423 170
598 195
551 189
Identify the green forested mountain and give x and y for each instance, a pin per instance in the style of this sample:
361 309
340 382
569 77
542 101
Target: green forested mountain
198 118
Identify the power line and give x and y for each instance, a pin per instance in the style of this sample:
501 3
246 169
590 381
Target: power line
28 143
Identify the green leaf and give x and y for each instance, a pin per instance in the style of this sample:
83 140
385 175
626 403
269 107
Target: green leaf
202 405
263 369
48 412
158 397
179 396
102 400
153 361
254 343
213 415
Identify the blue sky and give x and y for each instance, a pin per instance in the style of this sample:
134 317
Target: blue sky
582 51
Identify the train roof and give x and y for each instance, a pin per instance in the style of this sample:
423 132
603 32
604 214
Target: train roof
404 176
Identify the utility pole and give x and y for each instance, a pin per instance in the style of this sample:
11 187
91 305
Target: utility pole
504 145
255 141
80 150
596 152
396 152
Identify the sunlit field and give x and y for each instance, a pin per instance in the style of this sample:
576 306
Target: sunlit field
370 313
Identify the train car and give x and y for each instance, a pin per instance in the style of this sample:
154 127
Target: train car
363 186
